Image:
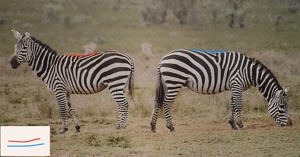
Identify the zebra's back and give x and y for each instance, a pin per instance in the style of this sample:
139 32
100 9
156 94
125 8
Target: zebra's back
203 71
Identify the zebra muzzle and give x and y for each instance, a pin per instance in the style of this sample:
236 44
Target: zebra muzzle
14 63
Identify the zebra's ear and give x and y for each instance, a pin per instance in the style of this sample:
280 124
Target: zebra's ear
286 91
17 35
27 35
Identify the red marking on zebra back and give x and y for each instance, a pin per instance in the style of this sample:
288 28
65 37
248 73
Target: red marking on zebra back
82 54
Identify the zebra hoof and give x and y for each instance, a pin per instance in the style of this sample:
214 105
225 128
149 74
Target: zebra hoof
62 131
153 127
77 128
232 124
240 124
121 127
171 128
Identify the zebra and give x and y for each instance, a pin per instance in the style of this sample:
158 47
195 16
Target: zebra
72 74
215 71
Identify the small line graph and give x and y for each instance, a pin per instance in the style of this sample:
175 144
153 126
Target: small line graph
24 140
23 143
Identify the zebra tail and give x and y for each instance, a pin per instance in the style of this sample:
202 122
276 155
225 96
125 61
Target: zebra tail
160 91
131 84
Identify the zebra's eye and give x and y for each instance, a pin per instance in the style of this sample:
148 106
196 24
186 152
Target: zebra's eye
281 94
25 47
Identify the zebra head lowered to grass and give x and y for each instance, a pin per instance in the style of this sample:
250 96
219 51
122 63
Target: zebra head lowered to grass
215 71
76 74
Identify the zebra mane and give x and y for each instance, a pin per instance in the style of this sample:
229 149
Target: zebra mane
43 45
258 63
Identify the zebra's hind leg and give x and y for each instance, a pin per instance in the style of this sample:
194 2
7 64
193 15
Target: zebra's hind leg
123 114
122 103
117 91
154 116
168 100
232 122
168 115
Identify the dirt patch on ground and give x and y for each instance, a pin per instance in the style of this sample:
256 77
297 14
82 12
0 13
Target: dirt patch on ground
260 125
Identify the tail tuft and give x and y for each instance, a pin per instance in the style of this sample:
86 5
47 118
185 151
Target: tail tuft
160 91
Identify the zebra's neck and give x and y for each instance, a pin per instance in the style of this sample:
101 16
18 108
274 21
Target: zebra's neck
264 80
42 59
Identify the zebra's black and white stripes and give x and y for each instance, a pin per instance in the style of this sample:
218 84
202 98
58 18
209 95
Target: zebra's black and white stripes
212 71
69 74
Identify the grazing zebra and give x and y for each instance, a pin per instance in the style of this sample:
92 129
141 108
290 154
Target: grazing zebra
72 74
215 71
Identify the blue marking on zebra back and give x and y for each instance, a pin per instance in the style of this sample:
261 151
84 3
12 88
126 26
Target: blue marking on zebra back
208 51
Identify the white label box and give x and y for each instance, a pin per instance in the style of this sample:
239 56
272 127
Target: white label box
25 140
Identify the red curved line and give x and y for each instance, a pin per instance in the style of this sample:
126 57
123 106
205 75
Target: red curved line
35 139
82 55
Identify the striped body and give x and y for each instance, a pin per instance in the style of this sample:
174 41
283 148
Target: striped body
206 73
211 72
88 75
77 74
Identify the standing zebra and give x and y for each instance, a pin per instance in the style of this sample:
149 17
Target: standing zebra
215 71
73 74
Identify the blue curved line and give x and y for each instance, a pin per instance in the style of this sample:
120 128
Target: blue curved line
31 145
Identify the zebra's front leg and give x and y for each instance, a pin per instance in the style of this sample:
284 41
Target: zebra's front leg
236 107
238 112
231 120
61 98
168 115
154 116
72 113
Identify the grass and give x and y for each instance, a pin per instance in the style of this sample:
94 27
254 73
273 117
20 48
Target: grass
200 120
192 138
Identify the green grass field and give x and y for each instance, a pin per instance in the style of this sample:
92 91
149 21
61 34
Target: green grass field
200 120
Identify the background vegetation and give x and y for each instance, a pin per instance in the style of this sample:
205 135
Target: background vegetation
266 29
